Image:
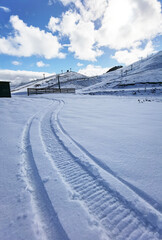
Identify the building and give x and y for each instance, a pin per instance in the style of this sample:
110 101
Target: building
5 89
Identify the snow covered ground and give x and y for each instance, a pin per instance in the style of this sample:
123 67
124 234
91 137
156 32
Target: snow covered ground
80 167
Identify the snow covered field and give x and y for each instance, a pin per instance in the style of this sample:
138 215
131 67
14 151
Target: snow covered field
80 167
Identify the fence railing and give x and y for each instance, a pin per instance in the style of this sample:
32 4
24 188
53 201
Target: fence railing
49 90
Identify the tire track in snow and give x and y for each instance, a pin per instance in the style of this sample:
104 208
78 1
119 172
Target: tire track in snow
105 167
119 220
46 224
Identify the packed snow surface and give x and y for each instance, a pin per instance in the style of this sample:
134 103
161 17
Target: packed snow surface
80 167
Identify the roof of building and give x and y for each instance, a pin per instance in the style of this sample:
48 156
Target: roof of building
4 82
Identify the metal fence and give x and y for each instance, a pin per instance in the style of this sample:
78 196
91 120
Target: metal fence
49 90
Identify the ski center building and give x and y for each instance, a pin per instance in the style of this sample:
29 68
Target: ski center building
5 89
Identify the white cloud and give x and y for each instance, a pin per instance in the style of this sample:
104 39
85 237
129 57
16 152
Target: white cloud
88 9
81 35
53 24
28 41
41 64
127 22
89 25
93 10
91 70
134 54
5 9
16 63
79 64
18 77
83 40
115 24
50 2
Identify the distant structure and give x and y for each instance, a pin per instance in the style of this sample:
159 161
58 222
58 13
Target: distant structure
5 89
114 68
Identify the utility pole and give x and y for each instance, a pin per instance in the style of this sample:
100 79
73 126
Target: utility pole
58 78
131 66
121 72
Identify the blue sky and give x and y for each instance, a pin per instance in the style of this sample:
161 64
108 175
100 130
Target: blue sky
88 36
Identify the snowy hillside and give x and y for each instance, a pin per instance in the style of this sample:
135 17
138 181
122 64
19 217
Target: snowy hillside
52 81
142 77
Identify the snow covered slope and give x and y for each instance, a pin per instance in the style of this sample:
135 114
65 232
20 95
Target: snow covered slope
52 81
142 77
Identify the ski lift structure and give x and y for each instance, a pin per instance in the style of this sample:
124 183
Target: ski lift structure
48 89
